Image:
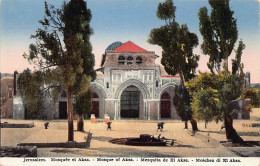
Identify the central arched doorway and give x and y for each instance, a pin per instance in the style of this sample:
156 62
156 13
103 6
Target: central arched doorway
130 102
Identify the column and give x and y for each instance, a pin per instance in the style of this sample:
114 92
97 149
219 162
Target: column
154 111
148 110
158 110
110 108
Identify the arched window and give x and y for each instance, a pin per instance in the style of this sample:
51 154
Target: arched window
121 60
157 83
138 60
130 60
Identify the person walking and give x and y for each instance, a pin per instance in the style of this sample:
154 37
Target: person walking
109 125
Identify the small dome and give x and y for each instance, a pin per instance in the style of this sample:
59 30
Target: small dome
113 46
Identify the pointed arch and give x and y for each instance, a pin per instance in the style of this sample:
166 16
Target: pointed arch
133 82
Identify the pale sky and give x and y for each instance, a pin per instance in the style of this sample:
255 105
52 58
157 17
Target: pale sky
123 20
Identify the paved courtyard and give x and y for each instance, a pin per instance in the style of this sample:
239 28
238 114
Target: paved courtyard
186 144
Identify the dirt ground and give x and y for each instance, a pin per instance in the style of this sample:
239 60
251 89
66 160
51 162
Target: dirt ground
204 143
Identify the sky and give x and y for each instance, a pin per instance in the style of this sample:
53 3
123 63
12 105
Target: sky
123 20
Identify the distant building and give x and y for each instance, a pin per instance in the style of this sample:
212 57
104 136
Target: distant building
4 75
255 85
6 99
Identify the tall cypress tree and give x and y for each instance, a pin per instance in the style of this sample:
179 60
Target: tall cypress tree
219 32
63 43
76 19
177 44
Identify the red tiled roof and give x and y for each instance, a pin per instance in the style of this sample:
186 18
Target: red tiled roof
129 47
165 74
176 76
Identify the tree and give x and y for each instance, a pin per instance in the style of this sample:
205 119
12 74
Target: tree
63 43
73 17
177 44
82 107
236 63
204 99
181 108
237 66
252 94
212 97
30 85
37 88
219 32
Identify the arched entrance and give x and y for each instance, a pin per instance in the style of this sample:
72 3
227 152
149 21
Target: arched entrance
165 105
95 104
130 102
134 86
98 100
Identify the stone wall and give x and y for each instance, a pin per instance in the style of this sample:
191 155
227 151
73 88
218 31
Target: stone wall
154 105
18 108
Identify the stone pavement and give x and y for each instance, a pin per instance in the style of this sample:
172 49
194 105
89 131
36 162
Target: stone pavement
186 145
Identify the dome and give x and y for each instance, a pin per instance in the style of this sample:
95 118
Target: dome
113 46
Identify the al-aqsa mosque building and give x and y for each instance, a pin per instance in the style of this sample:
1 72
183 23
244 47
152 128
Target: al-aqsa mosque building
130 85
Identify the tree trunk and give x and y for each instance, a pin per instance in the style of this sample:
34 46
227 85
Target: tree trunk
194 124
70 115
192 121
186 124
182 79
80 122
230 131
206 124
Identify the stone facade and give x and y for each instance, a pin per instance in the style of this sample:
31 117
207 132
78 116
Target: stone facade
133 73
